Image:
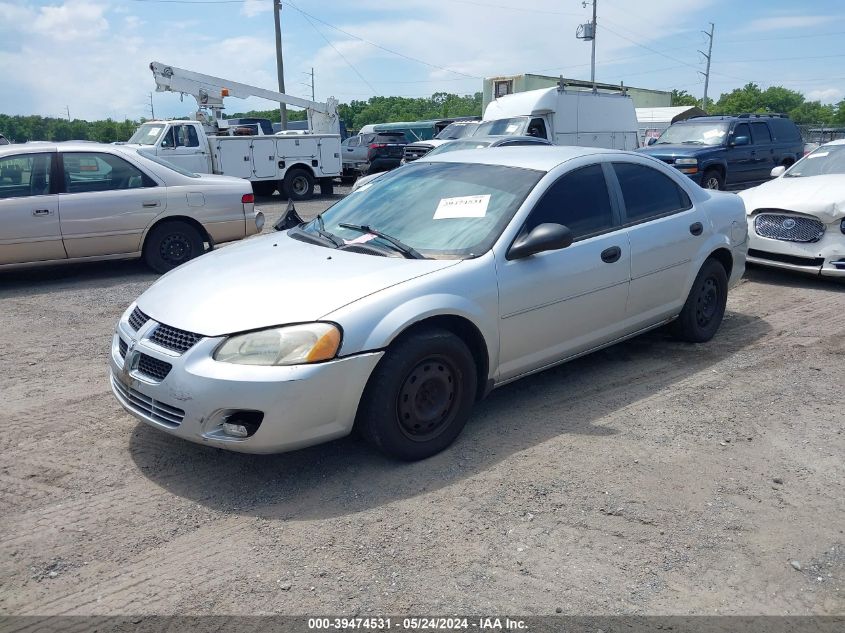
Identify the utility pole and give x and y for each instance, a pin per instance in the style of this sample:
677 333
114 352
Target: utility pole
312 84
707 55
152 108
280 66
593 54
67 108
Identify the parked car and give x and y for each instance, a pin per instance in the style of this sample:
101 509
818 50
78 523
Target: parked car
418 295
464 144
372 153
724 152
456 130
64 202
797 220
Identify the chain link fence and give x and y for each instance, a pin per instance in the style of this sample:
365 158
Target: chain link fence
820 133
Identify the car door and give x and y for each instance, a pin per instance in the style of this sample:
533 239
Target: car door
764 150
559 303
740 158
106 203
181 146
29 211
665 231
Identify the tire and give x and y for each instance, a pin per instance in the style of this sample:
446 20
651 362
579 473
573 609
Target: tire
420 395
326 187
713 179
704 308
299 184
264 187
171 244
347 180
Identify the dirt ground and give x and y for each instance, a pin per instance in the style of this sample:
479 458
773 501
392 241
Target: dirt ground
652 478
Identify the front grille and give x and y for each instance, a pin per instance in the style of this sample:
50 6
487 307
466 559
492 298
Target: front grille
418 151
175 339
137 319
814 262
153 367
122 347
788 228
138 402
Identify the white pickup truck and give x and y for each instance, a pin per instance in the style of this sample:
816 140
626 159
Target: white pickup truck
289 164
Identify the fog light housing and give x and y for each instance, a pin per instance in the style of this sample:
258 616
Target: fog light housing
242 424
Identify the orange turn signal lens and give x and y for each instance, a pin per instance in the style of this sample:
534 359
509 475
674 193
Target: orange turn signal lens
326 346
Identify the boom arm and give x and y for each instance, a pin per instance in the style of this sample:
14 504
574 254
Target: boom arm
209 92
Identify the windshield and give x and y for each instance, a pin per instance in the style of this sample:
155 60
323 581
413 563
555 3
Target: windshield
147 134
515 126
827 159
457 130
452 146
694 134
442 210
168 164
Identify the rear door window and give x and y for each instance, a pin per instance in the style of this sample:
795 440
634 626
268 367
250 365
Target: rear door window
647 193
760 133
86 172
25 175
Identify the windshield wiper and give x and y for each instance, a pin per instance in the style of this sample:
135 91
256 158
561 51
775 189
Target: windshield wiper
322 232
692 142
400 246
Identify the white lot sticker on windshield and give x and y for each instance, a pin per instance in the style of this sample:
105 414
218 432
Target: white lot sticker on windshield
818 154
713 133
462 207
512 127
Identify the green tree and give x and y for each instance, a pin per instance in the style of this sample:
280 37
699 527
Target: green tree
683 98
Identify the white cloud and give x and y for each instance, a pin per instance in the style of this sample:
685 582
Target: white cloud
826 95
787 22
76 19
251 8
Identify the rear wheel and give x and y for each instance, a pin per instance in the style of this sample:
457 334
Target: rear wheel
704 309
713 179
419 396
171 244
299 184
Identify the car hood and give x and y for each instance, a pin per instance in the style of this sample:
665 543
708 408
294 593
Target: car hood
821 196
271 280
678 151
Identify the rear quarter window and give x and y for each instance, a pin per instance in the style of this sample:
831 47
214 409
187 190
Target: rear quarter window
784 130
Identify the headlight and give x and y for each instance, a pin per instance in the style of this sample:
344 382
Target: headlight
842 225
686 161
288 345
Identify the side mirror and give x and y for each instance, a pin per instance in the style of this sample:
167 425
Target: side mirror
651 141
741 140
289 220
544 237
777 172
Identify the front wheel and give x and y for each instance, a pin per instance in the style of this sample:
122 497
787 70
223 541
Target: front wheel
704 309
419 396
713 179
171 244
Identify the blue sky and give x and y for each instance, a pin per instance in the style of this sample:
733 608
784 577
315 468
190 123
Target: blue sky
91 56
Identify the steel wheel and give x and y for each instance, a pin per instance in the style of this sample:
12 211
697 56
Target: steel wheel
176 249
705 305
299 186
428 399
706 302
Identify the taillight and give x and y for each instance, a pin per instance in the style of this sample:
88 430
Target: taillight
377 145
248 198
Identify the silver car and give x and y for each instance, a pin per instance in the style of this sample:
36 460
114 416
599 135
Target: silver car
63 202
410 299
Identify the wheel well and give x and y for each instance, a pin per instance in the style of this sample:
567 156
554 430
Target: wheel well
468 333
724 257
786 162
307 168
182 218
716 167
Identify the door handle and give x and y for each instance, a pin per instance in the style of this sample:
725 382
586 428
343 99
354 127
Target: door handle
696 228
41 212
611 254
150 203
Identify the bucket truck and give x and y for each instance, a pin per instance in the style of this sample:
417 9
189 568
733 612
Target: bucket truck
291 164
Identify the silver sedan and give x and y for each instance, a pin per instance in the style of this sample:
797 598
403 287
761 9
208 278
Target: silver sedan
410 299
63 202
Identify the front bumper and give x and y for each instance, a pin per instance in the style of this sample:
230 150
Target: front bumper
825 257
302 405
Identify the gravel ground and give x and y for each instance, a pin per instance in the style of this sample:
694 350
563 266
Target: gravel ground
651 478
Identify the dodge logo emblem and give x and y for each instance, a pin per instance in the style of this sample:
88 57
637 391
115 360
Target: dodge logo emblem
788 223
129 360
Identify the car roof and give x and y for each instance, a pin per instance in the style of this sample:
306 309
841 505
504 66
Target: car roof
64 146
539 157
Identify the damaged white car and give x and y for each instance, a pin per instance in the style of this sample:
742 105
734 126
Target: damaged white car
797 221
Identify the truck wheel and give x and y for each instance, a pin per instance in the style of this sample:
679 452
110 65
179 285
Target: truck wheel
713 179
170 244
705 306
299 184
420 395
263 187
